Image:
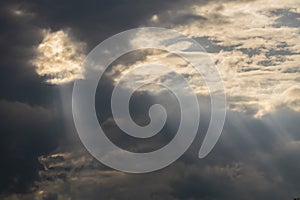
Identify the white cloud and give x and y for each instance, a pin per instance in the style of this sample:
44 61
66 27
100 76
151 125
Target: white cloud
59 57
257 81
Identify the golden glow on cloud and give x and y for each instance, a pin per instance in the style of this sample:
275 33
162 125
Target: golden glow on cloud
59 57
259 82
260 72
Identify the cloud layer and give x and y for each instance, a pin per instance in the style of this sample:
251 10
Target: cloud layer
255 45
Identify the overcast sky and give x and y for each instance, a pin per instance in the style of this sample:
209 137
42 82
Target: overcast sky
255 45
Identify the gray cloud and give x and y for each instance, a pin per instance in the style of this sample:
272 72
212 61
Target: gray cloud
26 132
253 160
256 158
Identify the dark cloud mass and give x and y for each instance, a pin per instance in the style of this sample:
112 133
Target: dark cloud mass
27 135
257 156
27 132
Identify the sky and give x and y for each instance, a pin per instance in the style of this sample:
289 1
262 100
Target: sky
255 47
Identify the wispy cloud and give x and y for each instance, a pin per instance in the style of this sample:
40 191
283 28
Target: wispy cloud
258 59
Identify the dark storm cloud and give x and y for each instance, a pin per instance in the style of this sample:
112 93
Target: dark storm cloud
91 22
18 80
254 158
29 127
94 21
24 139
26 132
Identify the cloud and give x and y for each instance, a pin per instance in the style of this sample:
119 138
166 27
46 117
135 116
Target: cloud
59 57
255 159
26 132
252 42
252 51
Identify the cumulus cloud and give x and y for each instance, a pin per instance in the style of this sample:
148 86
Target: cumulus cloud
59 57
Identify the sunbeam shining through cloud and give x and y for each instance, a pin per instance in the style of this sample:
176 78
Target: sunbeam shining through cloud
255 46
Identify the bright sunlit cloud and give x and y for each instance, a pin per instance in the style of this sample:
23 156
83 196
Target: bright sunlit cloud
59 57
256 52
